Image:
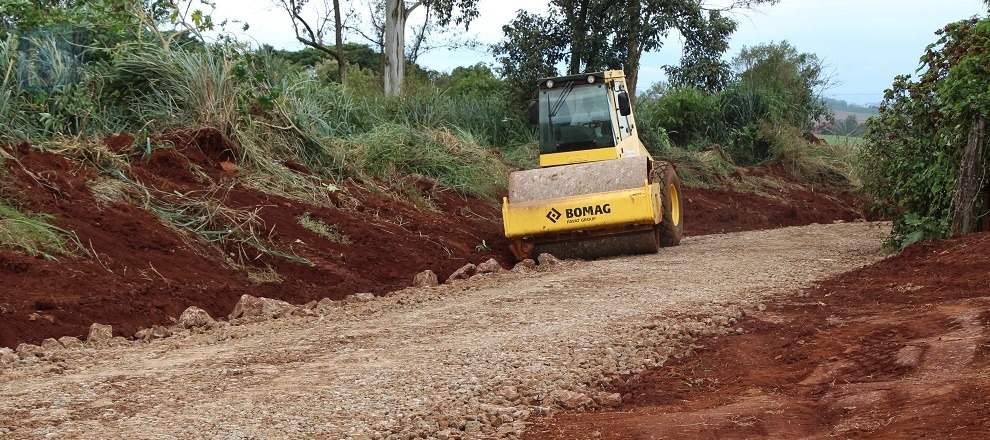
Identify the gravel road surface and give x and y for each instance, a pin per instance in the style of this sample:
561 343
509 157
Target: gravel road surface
471 359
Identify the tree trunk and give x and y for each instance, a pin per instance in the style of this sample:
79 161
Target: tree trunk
394 49
970 180
632 74
339 31
574 64
632 62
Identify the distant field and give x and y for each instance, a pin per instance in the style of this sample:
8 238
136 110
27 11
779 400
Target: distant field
860 116
842 140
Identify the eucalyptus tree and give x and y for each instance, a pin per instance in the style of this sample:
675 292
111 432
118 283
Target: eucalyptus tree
460 12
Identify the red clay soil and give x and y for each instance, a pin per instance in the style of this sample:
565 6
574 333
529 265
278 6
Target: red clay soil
716 211
141 271
896 350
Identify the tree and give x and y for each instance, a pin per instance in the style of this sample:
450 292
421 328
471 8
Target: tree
394 42
531 50
796 80
105 21
313 35
477 80
596 35
701 63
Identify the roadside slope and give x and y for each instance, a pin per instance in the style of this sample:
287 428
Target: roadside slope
471 358
154 234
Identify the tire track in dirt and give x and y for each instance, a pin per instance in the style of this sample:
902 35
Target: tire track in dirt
473 359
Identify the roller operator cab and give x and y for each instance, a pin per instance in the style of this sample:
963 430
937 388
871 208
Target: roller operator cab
598 191
585 118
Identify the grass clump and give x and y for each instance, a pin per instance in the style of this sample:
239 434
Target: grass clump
699 169
393 151
222 226
32 233
321 228
850 141
268 111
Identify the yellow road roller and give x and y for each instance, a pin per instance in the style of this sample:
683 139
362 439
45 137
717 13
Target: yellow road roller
598 192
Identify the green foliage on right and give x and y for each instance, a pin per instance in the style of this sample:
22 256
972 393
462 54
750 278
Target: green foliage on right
914 147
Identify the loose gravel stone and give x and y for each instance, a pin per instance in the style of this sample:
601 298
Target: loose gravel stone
490 266
99 334
426 278
463 273
194 317
547 260
70 342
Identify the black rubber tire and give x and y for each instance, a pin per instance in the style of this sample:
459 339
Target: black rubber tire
671 228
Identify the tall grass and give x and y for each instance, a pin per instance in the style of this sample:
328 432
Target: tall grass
271 114
700 169
393 151
34 234
161 90
13 125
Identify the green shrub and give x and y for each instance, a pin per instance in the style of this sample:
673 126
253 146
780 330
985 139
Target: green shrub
685 114
913 150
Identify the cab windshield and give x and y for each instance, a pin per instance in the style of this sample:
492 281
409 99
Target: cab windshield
575 118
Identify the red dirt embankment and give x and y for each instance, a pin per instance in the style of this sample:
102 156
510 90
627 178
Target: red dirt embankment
141 271
899 349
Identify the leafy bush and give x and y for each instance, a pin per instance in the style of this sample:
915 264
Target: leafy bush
914 148
686 115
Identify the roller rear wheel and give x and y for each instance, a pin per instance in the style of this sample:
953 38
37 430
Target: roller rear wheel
671 228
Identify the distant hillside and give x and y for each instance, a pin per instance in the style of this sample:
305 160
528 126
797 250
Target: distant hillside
845 109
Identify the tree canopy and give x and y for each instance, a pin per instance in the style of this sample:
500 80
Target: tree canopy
594 35
795 80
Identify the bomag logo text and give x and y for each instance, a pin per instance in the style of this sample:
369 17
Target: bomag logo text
586 213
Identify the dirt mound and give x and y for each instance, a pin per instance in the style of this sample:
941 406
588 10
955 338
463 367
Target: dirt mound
899 349
142 270
778 200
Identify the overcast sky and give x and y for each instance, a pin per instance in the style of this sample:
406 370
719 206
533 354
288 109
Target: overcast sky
865 42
